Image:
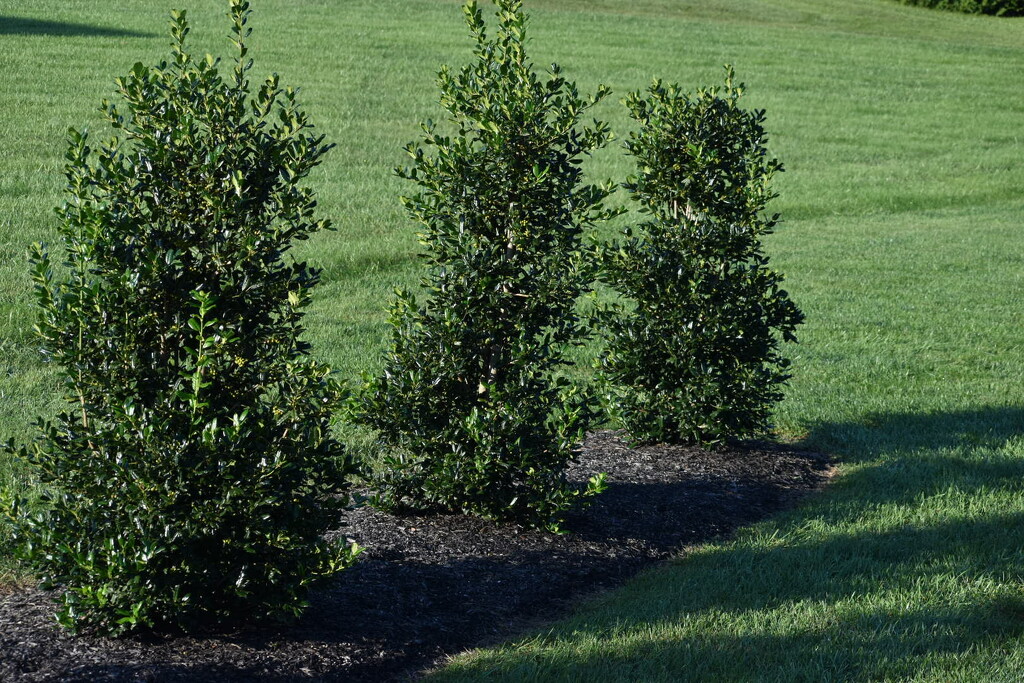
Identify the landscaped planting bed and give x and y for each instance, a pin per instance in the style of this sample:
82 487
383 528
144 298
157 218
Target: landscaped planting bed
431 586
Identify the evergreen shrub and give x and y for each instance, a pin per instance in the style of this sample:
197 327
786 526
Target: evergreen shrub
194 474
692 353
472 404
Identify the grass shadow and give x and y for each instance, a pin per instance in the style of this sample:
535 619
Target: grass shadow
26 26
817 611
909 568
785 658
877 435
899 458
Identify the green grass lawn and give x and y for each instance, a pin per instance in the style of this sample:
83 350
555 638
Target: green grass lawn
902 131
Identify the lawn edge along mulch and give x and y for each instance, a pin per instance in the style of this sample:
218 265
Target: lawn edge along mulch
430 586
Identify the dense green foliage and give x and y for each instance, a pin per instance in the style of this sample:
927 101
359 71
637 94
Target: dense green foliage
693 355
195 474
1009 8
471 402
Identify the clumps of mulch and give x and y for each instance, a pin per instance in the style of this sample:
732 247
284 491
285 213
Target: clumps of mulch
429 587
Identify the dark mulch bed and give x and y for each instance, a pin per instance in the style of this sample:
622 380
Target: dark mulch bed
428 587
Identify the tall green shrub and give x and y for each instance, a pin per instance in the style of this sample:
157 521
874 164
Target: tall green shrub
692 353
194 474
471 403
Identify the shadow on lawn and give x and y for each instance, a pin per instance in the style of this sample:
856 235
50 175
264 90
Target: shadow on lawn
935 585
26 26
838 639
870 648
902 457
881 434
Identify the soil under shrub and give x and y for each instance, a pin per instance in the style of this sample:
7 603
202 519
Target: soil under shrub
430 587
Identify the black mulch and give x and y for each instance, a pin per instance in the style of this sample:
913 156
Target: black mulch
429 587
